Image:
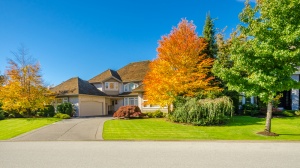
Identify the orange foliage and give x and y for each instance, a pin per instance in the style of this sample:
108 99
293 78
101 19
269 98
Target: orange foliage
23 91
181 67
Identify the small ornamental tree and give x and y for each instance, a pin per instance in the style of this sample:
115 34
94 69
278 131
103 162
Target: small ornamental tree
180 68
266 53
129 111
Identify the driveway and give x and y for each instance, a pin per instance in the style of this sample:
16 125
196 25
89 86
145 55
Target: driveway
77 129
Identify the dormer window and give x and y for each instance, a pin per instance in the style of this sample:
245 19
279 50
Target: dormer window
130 86
111 86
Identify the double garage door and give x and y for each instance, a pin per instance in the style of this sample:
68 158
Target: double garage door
91 108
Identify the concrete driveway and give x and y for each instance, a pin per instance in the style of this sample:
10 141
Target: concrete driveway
77 129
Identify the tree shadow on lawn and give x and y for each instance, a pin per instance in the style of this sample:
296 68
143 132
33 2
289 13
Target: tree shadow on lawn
244 121
289 134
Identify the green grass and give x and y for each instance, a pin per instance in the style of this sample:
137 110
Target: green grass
239 128
10 128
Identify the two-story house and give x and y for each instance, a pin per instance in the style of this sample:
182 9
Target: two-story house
106 92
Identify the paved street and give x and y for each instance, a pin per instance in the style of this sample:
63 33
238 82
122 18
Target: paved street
116 154
77 129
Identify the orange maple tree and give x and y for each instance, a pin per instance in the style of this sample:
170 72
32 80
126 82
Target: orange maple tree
181 67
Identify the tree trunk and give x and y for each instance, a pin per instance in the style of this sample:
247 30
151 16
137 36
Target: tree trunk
269 117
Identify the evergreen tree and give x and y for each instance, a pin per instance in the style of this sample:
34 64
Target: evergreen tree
209 35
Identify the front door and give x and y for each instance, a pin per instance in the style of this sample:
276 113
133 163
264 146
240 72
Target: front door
285 100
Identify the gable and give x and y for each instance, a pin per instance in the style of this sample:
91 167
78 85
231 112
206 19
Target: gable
108 74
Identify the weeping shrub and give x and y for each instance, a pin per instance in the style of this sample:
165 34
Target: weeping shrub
202 111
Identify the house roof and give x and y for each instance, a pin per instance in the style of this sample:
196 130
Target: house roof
105 75
75 86
128 94
134 72
139 89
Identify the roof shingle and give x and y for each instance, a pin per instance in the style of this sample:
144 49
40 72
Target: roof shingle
134 72
104 76
75 86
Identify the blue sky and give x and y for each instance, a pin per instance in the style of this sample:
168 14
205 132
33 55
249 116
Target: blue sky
84 38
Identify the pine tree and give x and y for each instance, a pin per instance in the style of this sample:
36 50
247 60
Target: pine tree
209 35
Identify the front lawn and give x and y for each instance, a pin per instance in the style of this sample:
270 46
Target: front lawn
10 128
239 128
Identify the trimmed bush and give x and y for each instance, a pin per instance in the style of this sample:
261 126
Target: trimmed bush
65 108
297 112
250 109
62 116
202 111
128 112
288 113
155 114
2 117
48 111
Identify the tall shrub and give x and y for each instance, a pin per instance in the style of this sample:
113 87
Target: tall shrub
203 111
48 111
65 108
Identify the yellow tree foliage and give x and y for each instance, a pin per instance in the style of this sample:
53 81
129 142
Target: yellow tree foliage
181 67
23 90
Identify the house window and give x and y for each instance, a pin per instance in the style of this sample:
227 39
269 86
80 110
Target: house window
61 100
145 104
111 86
130 86
65 100
131 101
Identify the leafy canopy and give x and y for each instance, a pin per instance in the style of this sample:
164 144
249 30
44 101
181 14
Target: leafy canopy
23 89
266 52
180 68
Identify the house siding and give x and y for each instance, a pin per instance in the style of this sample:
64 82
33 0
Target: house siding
99 86
119 104
295 94
111 92
75 101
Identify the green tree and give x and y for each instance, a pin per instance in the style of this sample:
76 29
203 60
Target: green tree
209 35
266 53
223 61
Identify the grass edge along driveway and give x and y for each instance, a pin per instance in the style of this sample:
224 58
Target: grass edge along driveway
10 128
238 128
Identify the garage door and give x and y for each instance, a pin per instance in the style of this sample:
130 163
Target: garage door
91 109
